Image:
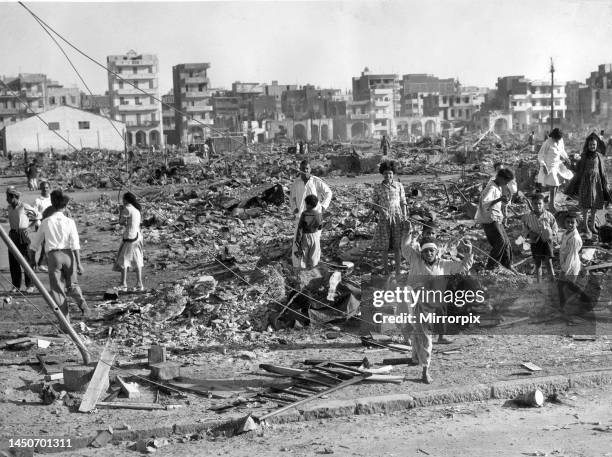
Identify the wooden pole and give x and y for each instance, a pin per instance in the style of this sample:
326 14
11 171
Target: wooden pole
552 94
41 288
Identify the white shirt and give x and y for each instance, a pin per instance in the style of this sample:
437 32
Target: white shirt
487 212
131 217
314 186
418 267
58 232
42 203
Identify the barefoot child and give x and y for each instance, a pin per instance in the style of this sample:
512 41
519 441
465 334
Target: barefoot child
571 243
540 227
308 236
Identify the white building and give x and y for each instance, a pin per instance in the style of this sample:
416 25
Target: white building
533 107
137 106
81 128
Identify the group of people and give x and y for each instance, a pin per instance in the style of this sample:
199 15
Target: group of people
46 228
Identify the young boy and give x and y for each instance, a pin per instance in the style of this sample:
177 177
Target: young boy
571 243
540 227
308 236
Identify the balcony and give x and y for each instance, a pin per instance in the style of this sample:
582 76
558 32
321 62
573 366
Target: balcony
130 76
198 108
9 110
382 103
197 80
133 63
132 108
382 116
129 90
199 122
359 116
192 94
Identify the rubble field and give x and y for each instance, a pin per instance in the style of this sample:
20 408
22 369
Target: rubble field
222 297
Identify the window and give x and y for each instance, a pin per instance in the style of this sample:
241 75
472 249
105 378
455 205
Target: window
123 118
51 100
151 101
557 102
40 104
122 101
138 120
54 126
83 125
452 113
134 70
63 100
120 84
73 99
150 84
137 101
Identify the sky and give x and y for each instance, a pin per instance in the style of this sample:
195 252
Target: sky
324 43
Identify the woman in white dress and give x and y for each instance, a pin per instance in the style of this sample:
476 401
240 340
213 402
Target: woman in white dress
130 252
552 170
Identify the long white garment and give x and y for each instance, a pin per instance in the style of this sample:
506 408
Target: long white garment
551 154
299 191
571 243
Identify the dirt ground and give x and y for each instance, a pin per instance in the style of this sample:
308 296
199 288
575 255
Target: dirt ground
579 426
471 359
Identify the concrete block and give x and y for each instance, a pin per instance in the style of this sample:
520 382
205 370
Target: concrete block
77 377
165 371
590 379
478 392
157 354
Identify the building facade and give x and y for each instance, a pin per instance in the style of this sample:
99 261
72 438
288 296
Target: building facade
383 93
31 88
133 97
80 128
192 100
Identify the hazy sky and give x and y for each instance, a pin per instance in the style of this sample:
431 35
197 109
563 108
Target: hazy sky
325 43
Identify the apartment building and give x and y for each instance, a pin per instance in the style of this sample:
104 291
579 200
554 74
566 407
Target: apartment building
534 106
26 89
383 93
97 104
134 95
192 96
416 86
169 119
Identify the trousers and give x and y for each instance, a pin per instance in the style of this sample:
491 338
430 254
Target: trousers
63 279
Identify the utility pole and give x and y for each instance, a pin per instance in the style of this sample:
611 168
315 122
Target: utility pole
552 94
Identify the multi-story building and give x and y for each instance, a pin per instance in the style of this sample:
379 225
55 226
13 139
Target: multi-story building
276 90
134 95
458 106
169 119
534 106
307 102
508 86
415 87
572 94
27 88
58 95
226 110
383 91
97 104
595 100
192 100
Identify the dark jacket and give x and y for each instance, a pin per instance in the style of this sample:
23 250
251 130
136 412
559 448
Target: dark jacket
573 187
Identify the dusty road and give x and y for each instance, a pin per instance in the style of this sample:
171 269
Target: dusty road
580 426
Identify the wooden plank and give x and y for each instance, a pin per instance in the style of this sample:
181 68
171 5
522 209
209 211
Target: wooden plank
99 382
283 371
597 267
129 405
342 385
130 388
531 366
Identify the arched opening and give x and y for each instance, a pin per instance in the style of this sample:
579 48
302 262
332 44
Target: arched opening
154 138
359 130
141 138
324 132
299 132
314 132
403 129
129 138
416 128
501 125
430 127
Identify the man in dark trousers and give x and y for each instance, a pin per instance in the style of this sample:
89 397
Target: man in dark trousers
19 216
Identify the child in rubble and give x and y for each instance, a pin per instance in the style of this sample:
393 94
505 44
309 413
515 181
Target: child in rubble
540 227
571 243
308 236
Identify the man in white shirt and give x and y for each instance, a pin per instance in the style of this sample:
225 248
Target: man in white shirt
302 186
61 240
41 204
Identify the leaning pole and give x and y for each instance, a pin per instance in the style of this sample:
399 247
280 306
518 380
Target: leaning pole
39 285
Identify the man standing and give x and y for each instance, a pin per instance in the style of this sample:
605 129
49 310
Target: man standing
489 214
19 215
385 145
302 186
61 240
32 175
41 204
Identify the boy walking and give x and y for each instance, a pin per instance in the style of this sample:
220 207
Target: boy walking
540 227
308 236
